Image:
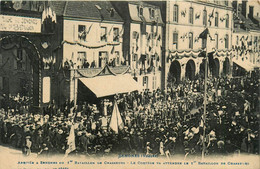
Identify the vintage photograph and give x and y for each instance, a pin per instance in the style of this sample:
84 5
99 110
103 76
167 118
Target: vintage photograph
141 82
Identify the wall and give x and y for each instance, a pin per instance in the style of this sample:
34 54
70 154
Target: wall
70 51
183 28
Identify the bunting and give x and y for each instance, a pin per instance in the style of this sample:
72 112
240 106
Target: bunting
48 13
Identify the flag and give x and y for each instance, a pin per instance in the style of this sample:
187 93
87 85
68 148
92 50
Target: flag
109 32
116 121
71 141
44 15
89 28
204 34
54 17
112 50
121 32
159 38
212 14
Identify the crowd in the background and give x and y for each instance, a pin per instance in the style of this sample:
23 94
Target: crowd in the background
160 123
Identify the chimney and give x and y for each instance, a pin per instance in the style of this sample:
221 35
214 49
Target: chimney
244 8
251 12
235 6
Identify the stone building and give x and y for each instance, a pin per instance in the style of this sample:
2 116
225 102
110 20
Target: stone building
27 40
142 44
246 37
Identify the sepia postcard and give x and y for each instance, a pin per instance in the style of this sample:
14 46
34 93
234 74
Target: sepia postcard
129 84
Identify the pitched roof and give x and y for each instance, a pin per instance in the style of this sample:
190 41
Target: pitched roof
97 10
245 22
129 10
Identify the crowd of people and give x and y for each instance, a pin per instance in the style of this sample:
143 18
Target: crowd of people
160 122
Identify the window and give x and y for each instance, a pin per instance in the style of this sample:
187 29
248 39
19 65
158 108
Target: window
103 36
216 41
227 21
81 59
226 41
204 43
226 3
175 40
135 35
82 32
140 11
103 59
175 13
154 82
216 19
205 17
191 16
151 13
191 40
237 40
116 34
117 57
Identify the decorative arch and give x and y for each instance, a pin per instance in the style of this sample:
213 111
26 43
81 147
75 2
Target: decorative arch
21 50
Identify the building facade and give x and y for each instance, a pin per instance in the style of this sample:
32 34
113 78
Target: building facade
185 21
246 37
90 48
27 37
143 41
49 49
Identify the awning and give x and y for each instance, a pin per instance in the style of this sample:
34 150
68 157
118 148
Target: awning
103 86
248 66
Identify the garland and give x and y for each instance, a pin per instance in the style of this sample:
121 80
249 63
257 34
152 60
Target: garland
186 53
89 45
97 74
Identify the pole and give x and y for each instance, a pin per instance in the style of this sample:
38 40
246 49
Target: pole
205 102
74 88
